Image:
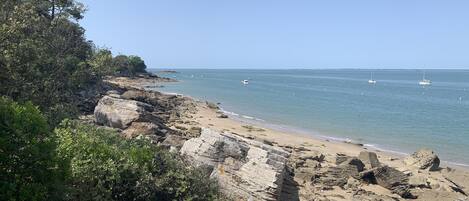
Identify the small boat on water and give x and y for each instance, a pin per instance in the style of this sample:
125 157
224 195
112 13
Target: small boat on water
424 81
245 82
371 80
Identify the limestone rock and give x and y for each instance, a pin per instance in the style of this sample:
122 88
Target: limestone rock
370 159
244 168
119 113
424 159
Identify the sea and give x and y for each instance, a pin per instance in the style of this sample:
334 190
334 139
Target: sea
396 114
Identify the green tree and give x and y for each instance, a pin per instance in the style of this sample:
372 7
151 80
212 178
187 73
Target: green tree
105 166
44 55
102 62
29 169
136 64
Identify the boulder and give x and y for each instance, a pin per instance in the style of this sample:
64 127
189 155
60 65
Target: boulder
119 113
336 176
424 159
212 105
340 158
389 178
245 169
339 175
370 159
357 163
222 116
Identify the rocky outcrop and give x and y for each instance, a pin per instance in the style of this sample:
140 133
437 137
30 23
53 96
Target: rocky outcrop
424 159
339 175
245 169
119 113
370 159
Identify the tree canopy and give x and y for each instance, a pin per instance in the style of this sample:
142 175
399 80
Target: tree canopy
45 57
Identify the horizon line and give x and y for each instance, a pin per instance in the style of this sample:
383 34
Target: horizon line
243 68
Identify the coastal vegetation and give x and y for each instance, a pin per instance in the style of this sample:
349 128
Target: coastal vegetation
46 64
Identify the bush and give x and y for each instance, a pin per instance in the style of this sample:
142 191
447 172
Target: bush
105 166
29 169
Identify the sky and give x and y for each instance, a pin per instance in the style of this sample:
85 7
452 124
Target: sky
284 34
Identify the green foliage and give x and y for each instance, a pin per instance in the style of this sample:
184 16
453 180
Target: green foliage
102 62
136 64
129 65
44 54
29 169
45 57
105 166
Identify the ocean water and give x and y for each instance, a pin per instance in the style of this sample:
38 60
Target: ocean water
395 114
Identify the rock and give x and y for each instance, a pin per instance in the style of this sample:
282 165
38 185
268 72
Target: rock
455 187
244 168
212 105
142 128
340 158
370 159
223 116
305 174
338 176
195 131
389 178
173 142
419 181
363 195
112 92
119 113
313 155
424 159
352 183
354 162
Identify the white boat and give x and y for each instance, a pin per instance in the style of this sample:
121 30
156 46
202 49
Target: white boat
245 81
425 82
371 81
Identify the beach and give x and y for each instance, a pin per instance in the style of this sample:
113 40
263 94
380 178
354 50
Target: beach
429 185
395 114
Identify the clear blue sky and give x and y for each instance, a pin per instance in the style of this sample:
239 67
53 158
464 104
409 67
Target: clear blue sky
284 34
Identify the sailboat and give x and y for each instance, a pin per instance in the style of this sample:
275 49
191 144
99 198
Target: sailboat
425 82
371 81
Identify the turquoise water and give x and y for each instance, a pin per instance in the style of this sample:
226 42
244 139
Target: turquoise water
396 114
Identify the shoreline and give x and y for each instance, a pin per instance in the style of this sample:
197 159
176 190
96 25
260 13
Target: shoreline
298 132
312 161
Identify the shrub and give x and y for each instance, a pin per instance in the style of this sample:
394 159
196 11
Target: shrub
29 169
105 166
